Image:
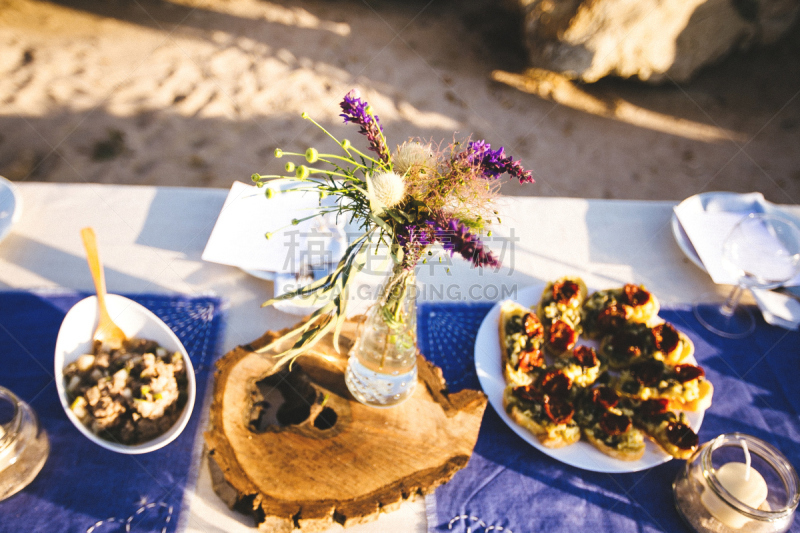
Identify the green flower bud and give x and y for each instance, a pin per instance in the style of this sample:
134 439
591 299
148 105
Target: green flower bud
268 235
269 193
312 155
425 261
303 115
302 172
489 234
499 221
289 167
255 178
278 153
346 144
440 259
323 195
295 222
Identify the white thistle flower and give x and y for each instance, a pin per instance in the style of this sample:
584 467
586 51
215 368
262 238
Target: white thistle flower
388 188
413 154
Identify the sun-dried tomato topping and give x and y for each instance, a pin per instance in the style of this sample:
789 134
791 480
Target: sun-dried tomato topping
566 292
555 383
530 359
628 344
532 325
527 393
614 424
562 335
665 337
648 373
634 295
586 356
611 317
684 373
681 436
652 408
605 396
558 410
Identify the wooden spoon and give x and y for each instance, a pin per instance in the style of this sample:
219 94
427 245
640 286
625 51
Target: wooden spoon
107 332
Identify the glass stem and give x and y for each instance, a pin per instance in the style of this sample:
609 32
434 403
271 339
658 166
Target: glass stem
732 301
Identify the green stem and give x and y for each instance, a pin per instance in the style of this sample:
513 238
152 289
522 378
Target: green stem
329 172
349 160
365 156
317 124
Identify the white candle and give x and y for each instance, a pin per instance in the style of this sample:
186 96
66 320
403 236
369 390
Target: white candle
745 484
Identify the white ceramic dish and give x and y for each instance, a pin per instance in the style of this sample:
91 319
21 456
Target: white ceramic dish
10 206
75 339
581 454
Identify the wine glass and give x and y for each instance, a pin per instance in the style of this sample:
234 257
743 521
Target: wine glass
763 251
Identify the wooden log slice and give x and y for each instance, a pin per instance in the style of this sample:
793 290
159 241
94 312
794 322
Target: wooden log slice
296 451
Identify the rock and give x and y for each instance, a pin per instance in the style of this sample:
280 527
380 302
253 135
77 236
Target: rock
654 40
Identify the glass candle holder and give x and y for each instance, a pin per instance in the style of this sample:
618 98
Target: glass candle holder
24 445
737 483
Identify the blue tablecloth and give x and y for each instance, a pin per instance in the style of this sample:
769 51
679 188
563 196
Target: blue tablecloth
512 487
83 487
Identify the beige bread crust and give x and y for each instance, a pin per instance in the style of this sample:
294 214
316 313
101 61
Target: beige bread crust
658 435
646 313
554 436
546 299
622 455
701 403
682 352
509 309
549 439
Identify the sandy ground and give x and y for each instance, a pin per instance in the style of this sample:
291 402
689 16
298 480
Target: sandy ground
199 93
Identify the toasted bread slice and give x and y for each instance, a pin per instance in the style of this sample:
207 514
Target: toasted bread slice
668 429
562 299
705 393
630 448
519 348
671 345
550 434
683 386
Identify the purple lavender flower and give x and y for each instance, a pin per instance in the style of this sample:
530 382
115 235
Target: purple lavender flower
355 111
492 163
456 237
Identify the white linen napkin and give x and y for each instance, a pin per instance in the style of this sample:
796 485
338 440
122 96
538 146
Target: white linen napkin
238 238
707 221
778 309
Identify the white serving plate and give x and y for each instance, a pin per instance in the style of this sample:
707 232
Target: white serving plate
10 206
75 339
581 454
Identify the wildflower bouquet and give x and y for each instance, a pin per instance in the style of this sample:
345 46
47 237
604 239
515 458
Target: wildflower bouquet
408 200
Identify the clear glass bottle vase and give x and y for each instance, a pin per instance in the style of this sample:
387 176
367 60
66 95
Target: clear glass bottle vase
382 368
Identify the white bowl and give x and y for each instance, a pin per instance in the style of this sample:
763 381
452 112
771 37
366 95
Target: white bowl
75 339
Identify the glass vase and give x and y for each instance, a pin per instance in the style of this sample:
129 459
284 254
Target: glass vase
382 367
24 446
